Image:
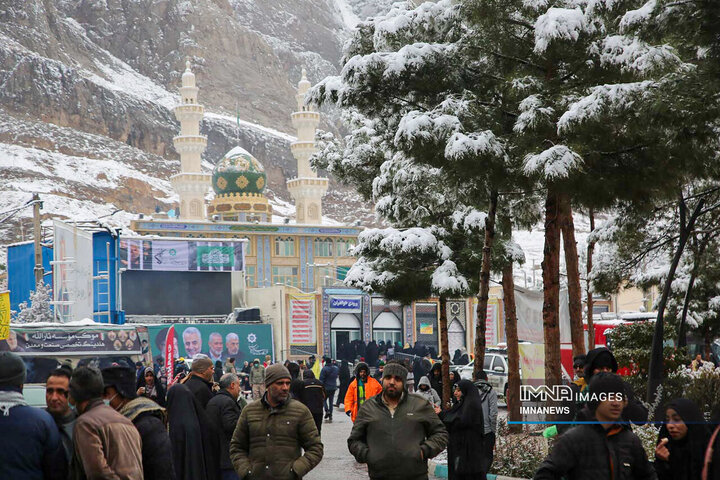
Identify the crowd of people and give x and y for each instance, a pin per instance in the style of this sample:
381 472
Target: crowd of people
122 423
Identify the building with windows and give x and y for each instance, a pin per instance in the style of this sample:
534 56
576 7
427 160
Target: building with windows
307 254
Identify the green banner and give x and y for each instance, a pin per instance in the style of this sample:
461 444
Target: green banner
215 256
244 342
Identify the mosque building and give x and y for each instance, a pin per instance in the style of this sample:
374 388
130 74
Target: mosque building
292 271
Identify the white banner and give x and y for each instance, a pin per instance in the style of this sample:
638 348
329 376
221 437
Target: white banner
73 272
170 255
529 306
302 320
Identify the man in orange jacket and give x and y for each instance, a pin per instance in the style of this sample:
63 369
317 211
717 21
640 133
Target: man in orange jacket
360 390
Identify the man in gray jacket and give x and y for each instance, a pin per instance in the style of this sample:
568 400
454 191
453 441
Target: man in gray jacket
395 432
490 414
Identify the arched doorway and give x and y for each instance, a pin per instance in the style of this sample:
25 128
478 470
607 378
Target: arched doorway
387 327
456 336
345 328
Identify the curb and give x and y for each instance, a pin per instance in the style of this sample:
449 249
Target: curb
441 471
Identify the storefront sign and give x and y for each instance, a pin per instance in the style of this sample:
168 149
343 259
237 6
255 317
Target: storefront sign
302 319
344 304
426 328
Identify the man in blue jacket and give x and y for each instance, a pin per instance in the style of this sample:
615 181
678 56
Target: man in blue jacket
30 447
328 377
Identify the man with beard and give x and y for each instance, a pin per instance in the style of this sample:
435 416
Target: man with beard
361 389
215 347
396 433
192 339
270 434
232 347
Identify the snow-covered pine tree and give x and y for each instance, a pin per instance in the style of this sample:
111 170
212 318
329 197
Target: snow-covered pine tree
39 309
422 100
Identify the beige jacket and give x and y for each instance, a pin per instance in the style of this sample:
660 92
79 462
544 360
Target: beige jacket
107 445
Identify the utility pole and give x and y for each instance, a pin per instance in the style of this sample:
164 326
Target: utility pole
39 271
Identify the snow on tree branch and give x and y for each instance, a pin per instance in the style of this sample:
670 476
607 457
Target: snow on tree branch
532 114
560 24
393 241
631 54
469 220
603 98
554 163
635 18
461 145
446 280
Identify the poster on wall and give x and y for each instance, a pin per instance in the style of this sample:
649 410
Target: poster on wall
73 272
426 328
217 341
532 363
181 255
54 341
302 319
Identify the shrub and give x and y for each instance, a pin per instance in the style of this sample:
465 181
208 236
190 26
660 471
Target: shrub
517 454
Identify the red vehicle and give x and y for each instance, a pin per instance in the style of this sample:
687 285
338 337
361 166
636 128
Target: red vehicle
602 328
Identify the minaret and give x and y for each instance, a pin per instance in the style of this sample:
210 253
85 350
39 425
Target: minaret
190 184
307 189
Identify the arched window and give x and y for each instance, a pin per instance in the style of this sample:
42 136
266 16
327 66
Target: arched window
323 247
284 247
343 246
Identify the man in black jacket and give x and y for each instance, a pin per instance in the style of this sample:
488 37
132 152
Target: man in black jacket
200 381
313 397
396 433
602 450
148 417
224 410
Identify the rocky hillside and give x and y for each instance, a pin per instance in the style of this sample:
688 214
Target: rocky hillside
87 88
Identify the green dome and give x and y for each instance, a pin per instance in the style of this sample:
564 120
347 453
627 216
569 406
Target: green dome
238 173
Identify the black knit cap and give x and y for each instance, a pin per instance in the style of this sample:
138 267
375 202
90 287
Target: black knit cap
86 384
604 383
122 378
12 370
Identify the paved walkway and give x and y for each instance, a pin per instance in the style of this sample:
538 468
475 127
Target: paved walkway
337 461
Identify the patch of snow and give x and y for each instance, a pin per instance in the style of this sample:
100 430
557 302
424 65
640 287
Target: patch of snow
254 126
532 114
446 280
634 18
556 162
631 54
560 24
350 20
480 143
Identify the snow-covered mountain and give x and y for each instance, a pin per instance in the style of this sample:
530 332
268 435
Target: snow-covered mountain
87 88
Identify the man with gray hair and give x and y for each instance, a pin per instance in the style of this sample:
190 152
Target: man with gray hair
192 339
224 410
232 345
215 347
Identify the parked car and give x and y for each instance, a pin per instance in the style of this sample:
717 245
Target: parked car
496 367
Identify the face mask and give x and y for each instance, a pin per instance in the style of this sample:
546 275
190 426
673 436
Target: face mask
107 402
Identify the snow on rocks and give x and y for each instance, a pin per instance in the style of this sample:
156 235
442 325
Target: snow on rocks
556 162
560 24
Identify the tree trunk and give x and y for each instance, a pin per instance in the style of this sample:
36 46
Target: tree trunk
444 353
682 337
483 295
513 390
551 291
655 371
567 225
588 287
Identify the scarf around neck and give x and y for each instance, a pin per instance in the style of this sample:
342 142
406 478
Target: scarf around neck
10 399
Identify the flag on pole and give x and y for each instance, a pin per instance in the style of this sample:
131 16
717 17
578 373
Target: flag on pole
4 315
316 368
170 355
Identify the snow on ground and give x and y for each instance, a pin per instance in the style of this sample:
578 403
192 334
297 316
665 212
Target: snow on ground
349 18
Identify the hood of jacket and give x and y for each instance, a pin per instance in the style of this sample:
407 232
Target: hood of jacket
436 366
360 366
424 381
139 405
483 385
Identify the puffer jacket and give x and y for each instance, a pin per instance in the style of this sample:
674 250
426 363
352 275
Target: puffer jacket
150 420
257 375
430 395
588 452
391 443
107 445
267 442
